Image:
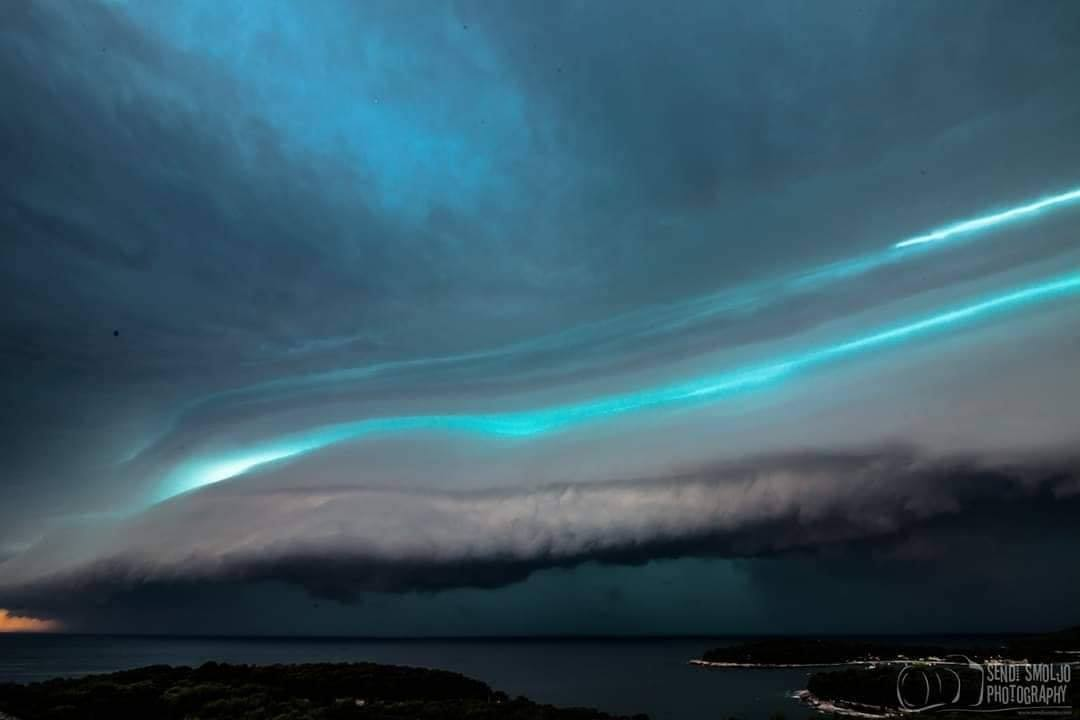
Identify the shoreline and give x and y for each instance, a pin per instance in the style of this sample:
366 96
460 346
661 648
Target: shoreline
869 712
300 691
781 666
861 663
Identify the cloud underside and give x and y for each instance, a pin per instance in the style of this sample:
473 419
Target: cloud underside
340 541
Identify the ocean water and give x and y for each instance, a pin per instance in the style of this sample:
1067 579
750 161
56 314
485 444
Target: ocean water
620 676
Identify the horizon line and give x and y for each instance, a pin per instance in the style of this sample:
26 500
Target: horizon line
537 637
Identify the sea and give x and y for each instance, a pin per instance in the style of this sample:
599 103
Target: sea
619 676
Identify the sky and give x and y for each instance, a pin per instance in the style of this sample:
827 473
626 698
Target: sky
477 318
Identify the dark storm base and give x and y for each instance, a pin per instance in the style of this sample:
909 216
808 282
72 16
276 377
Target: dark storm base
276 692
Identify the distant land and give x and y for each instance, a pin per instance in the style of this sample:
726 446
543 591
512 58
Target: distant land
874 679
811 652
324 691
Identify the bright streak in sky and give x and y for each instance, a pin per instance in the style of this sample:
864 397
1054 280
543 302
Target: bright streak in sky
642 324
198 473
988 221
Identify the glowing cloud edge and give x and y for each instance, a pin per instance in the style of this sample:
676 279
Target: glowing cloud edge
523 424
645 323
988 221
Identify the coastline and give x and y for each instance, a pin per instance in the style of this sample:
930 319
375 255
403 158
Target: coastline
784 666
873 680
869 712
311 691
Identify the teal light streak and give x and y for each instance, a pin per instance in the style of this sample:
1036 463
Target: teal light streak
526 424
642 324
989 221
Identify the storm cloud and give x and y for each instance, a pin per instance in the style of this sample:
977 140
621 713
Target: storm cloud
338 542
392 299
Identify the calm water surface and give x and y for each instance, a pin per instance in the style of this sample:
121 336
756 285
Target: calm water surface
619 676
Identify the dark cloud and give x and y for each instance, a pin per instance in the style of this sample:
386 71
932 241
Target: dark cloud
226 228
951 574
766 116
339 542
129 208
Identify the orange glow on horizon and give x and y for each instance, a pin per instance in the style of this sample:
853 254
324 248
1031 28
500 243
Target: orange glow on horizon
25 623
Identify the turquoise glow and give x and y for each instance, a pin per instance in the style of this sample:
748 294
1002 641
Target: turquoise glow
526 424
989 221
645 324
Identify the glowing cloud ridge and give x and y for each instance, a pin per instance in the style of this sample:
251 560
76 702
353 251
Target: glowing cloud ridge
989 221
525 424
645 324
